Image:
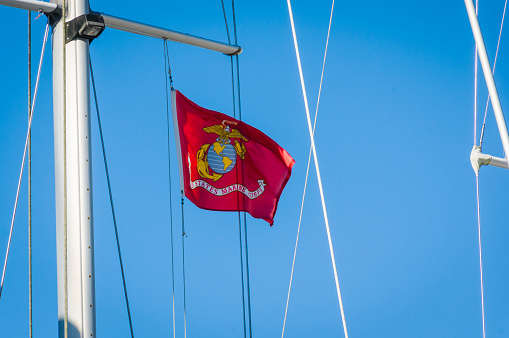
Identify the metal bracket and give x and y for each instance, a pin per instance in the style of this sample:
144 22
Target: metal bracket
86 26
478 159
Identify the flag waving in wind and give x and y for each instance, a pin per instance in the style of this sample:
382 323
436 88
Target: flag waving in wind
225 164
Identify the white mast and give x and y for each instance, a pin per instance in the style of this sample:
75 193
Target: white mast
73 181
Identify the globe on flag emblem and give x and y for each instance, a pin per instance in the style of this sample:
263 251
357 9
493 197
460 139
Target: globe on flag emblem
222 157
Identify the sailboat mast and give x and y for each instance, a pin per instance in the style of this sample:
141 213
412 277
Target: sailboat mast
73 180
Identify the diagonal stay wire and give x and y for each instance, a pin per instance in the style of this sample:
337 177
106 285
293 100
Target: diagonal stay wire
493 72
167 70
480 253
307 169
111 198
24 157
318 175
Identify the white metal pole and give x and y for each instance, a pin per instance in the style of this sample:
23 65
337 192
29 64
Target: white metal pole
163 33
31 5
73 165
490 82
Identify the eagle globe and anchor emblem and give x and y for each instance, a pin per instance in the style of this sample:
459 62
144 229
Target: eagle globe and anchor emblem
219 158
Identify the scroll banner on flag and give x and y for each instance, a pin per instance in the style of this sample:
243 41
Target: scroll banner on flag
225 164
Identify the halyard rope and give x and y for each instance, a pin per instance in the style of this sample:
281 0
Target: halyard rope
24 157
317 167
166 73
183 262
307 170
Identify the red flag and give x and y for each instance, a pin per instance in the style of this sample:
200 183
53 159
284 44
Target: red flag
226 164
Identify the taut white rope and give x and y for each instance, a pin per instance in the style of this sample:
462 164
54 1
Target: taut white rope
480 254
475 82
316 166
307 171
477 175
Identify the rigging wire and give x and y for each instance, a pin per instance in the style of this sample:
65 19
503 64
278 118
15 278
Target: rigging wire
183 263
238 197
30 175
307 169
111 196
317 166
24 157
480 254
167 70
493 72
477 175
475 81
242 172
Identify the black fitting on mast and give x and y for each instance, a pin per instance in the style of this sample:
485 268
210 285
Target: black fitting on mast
86 26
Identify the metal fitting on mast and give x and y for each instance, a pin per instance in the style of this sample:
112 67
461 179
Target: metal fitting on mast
86 26
478 159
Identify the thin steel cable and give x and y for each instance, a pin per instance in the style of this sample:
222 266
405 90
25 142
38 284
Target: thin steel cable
242 273
30 175
307 169
493 72
242 171
317 167
111 197
480 144
480 254
24 158
475 81
225 22
64 111
247 275
238 197
183 264
166 71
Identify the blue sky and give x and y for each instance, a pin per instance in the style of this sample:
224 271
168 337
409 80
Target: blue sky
394 134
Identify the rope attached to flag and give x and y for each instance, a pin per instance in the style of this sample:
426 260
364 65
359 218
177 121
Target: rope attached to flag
183 264
167 74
